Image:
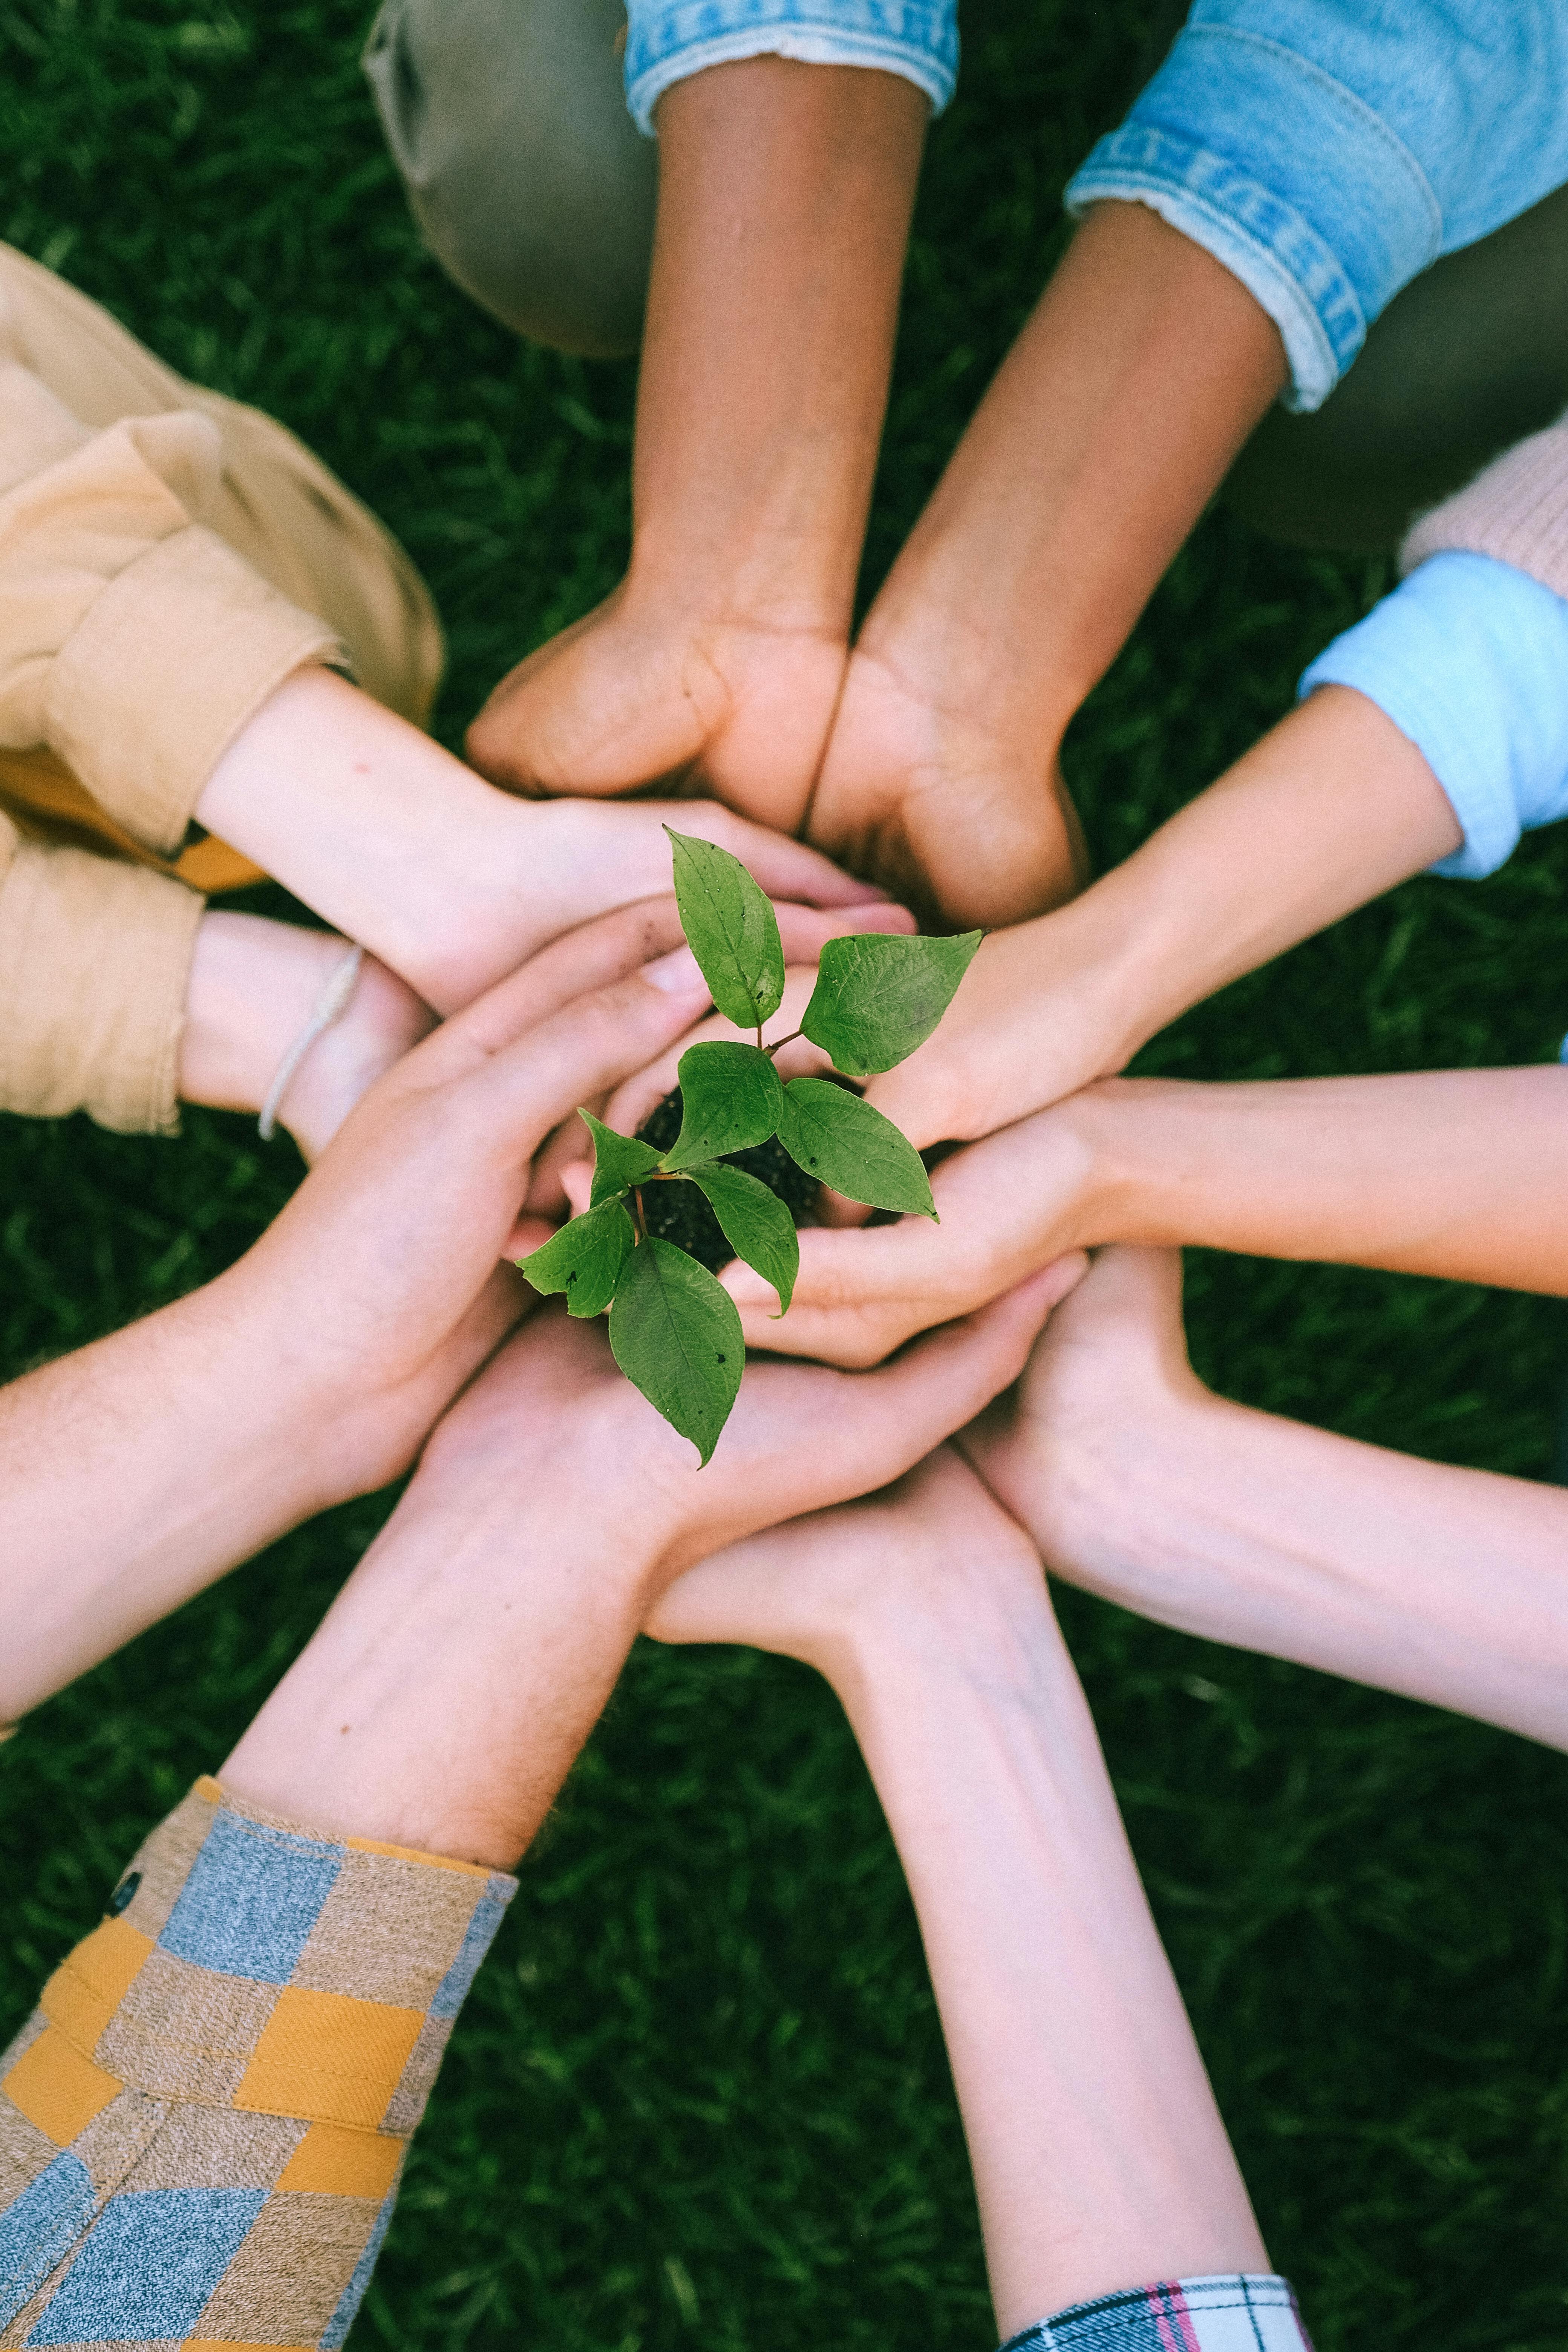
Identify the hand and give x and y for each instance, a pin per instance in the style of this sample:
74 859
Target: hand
554 1435
1008 1206
450 883
933 1559
378 1289
923 791
630 696
458 1672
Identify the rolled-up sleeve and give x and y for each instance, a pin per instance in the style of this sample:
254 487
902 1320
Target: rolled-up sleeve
669 39
134 644
95 960
1326 152
1469 659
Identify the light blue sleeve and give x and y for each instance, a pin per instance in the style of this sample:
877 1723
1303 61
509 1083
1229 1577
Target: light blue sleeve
1469 658
1327 151
667 39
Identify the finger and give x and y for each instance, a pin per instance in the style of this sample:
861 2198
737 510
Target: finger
567 1146
859 1295
595 955
806 930
801 1437
510 1101
784 867
642 1093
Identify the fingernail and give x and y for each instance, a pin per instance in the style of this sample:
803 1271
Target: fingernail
678 973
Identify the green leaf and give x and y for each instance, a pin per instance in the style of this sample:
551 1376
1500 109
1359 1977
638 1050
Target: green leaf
731 928
756 1224
729 1099
675 1333
833 1135
619 1160
583 1259
878 996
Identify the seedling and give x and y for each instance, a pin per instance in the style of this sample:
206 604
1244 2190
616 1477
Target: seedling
674 1330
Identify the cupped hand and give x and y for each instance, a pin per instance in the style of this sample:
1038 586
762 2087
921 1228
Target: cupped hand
922 1560
379 1288
642 691
1008 1207
553 1429
919 791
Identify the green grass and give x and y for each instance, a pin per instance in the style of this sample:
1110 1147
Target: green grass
699 2095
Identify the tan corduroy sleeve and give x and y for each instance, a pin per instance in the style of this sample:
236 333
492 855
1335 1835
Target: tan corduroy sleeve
1517 511
134 644
94 961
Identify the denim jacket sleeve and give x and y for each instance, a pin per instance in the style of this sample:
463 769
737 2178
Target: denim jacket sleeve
667 39
1327 151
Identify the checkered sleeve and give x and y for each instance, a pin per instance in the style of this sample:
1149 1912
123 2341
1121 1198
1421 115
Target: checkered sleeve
204 2122
1233 2313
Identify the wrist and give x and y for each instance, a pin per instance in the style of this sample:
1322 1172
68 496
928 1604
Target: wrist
1118 1198
252 989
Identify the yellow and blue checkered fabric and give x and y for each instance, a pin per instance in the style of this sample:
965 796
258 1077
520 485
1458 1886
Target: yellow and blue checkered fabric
204 2122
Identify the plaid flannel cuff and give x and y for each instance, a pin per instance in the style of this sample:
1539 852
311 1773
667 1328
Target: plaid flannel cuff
1232 2313
204 2122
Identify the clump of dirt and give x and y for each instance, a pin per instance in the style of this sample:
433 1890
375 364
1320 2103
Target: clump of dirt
678 1213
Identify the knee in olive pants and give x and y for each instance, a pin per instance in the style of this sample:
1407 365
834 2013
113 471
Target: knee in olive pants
526 177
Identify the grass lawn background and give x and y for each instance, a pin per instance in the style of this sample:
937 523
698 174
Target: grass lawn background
699 2095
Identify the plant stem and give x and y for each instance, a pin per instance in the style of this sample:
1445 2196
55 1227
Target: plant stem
771 1050
637 1205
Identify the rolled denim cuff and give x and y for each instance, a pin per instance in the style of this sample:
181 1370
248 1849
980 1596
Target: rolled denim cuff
1469 659
666 40
1228 143
1232 2313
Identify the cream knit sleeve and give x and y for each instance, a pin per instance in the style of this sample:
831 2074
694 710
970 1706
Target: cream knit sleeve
134 644
1516 510
94 961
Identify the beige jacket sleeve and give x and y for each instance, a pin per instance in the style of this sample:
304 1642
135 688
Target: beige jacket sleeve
1517 511
134 644
94 961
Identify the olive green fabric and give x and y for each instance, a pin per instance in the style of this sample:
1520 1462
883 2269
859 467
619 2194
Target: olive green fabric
532 186
525 174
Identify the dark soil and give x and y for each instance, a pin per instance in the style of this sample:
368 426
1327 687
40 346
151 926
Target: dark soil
679 1213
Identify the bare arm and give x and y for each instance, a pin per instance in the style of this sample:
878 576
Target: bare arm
1443 1584
1111 422
456 1676
1331 809
1457 1173
1100 2161
784 208
450 883
135 1472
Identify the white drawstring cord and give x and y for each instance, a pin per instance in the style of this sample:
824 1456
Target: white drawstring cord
332 1004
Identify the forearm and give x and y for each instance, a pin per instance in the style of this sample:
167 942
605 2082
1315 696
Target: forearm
1441 1584
1457 1173
453 1681
136 1472
373 825
1100 2159
1111 422
1331 808
784 200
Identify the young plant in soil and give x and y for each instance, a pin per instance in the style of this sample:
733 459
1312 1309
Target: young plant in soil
674 1330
